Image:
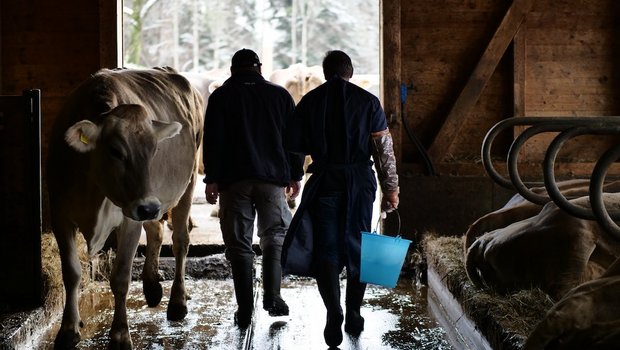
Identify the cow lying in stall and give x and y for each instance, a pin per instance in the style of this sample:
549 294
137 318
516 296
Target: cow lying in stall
525 245
587 317
122 153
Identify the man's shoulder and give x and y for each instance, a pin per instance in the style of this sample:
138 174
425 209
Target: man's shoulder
360 91
275 87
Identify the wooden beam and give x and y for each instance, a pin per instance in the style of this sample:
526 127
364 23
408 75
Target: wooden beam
391 52
110 33
470 94
518 76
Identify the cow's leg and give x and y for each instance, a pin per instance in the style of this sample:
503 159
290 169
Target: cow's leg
128 237
177 306
69 333
150 274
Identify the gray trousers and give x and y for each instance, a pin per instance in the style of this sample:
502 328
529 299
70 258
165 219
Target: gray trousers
240 204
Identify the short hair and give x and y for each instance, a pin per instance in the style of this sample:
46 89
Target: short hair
338 63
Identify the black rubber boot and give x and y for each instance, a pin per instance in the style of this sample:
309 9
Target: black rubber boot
354 322
243 278
328 281
272 278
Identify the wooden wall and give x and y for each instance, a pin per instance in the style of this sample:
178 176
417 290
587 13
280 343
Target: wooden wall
53 46
560 64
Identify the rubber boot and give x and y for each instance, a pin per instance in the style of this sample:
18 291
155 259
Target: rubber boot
243 278
272 279
328 281
354 322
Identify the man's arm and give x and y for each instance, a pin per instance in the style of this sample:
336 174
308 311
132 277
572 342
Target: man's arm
383 155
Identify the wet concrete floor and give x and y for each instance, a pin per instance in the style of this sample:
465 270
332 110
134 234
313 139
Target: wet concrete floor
395 319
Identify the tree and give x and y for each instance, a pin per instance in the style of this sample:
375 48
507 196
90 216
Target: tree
206 33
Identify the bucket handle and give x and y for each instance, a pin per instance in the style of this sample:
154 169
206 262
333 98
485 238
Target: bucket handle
383 216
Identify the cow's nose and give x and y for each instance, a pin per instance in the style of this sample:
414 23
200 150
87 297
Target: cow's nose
148 211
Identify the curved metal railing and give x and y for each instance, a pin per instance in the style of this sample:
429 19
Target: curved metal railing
568 127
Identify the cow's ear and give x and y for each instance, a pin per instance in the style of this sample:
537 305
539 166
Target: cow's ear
82 136
166 130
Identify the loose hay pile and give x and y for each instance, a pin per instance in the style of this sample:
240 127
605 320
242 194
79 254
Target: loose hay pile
505 320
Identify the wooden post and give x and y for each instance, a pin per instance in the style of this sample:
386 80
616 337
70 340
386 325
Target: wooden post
391 70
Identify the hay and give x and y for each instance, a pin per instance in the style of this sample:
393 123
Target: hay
505 320
51 270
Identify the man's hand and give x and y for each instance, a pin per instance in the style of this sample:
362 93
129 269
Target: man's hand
211 193
292 190
389 201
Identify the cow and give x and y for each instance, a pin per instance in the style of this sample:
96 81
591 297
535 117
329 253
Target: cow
587 317
121 154
298 79
552 250
206 83
519 208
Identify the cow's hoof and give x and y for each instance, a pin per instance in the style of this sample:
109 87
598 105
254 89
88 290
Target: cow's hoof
66 340
120 340
153 292
176 311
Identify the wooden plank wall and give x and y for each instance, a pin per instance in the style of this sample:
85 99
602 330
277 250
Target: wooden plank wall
571 69
441 44
48 47
568 70
53 46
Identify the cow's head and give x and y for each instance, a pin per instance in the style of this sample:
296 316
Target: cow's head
121 148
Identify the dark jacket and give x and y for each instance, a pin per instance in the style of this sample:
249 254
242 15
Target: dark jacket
334 123
245 124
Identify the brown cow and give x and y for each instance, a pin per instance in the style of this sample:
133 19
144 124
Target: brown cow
206 83
587 317
298 79
519 208
121 154
550 249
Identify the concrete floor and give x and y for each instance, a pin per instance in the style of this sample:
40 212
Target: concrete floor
395 319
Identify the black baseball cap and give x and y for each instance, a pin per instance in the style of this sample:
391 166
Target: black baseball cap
245 58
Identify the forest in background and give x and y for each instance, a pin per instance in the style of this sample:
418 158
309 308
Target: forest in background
201 35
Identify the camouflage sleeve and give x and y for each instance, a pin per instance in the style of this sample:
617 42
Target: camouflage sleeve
385 161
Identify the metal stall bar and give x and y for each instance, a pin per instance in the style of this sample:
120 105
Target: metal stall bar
511 122
596 192
549 171
513 156
557 123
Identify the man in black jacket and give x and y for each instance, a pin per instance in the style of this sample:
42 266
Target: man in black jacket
247 167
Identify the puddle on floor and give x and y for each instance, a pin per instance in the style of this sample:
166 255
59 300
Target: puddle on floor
395 319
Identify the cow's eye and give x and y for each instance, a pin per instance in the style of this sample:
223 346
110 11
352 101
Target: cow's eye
116 153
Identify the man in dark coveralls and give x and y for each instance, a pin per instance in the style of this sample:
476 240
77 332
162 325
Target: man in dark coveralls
246 165
341 126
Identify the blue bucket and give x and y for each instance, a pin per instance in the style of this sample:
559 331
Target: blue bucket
382 258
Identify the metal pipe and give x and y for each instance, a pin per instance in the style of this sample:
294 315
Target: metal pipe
513 156
565 122
549 169
596 192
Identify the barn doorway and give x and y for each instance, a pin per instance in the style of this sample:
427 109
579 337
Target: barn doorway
198 38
